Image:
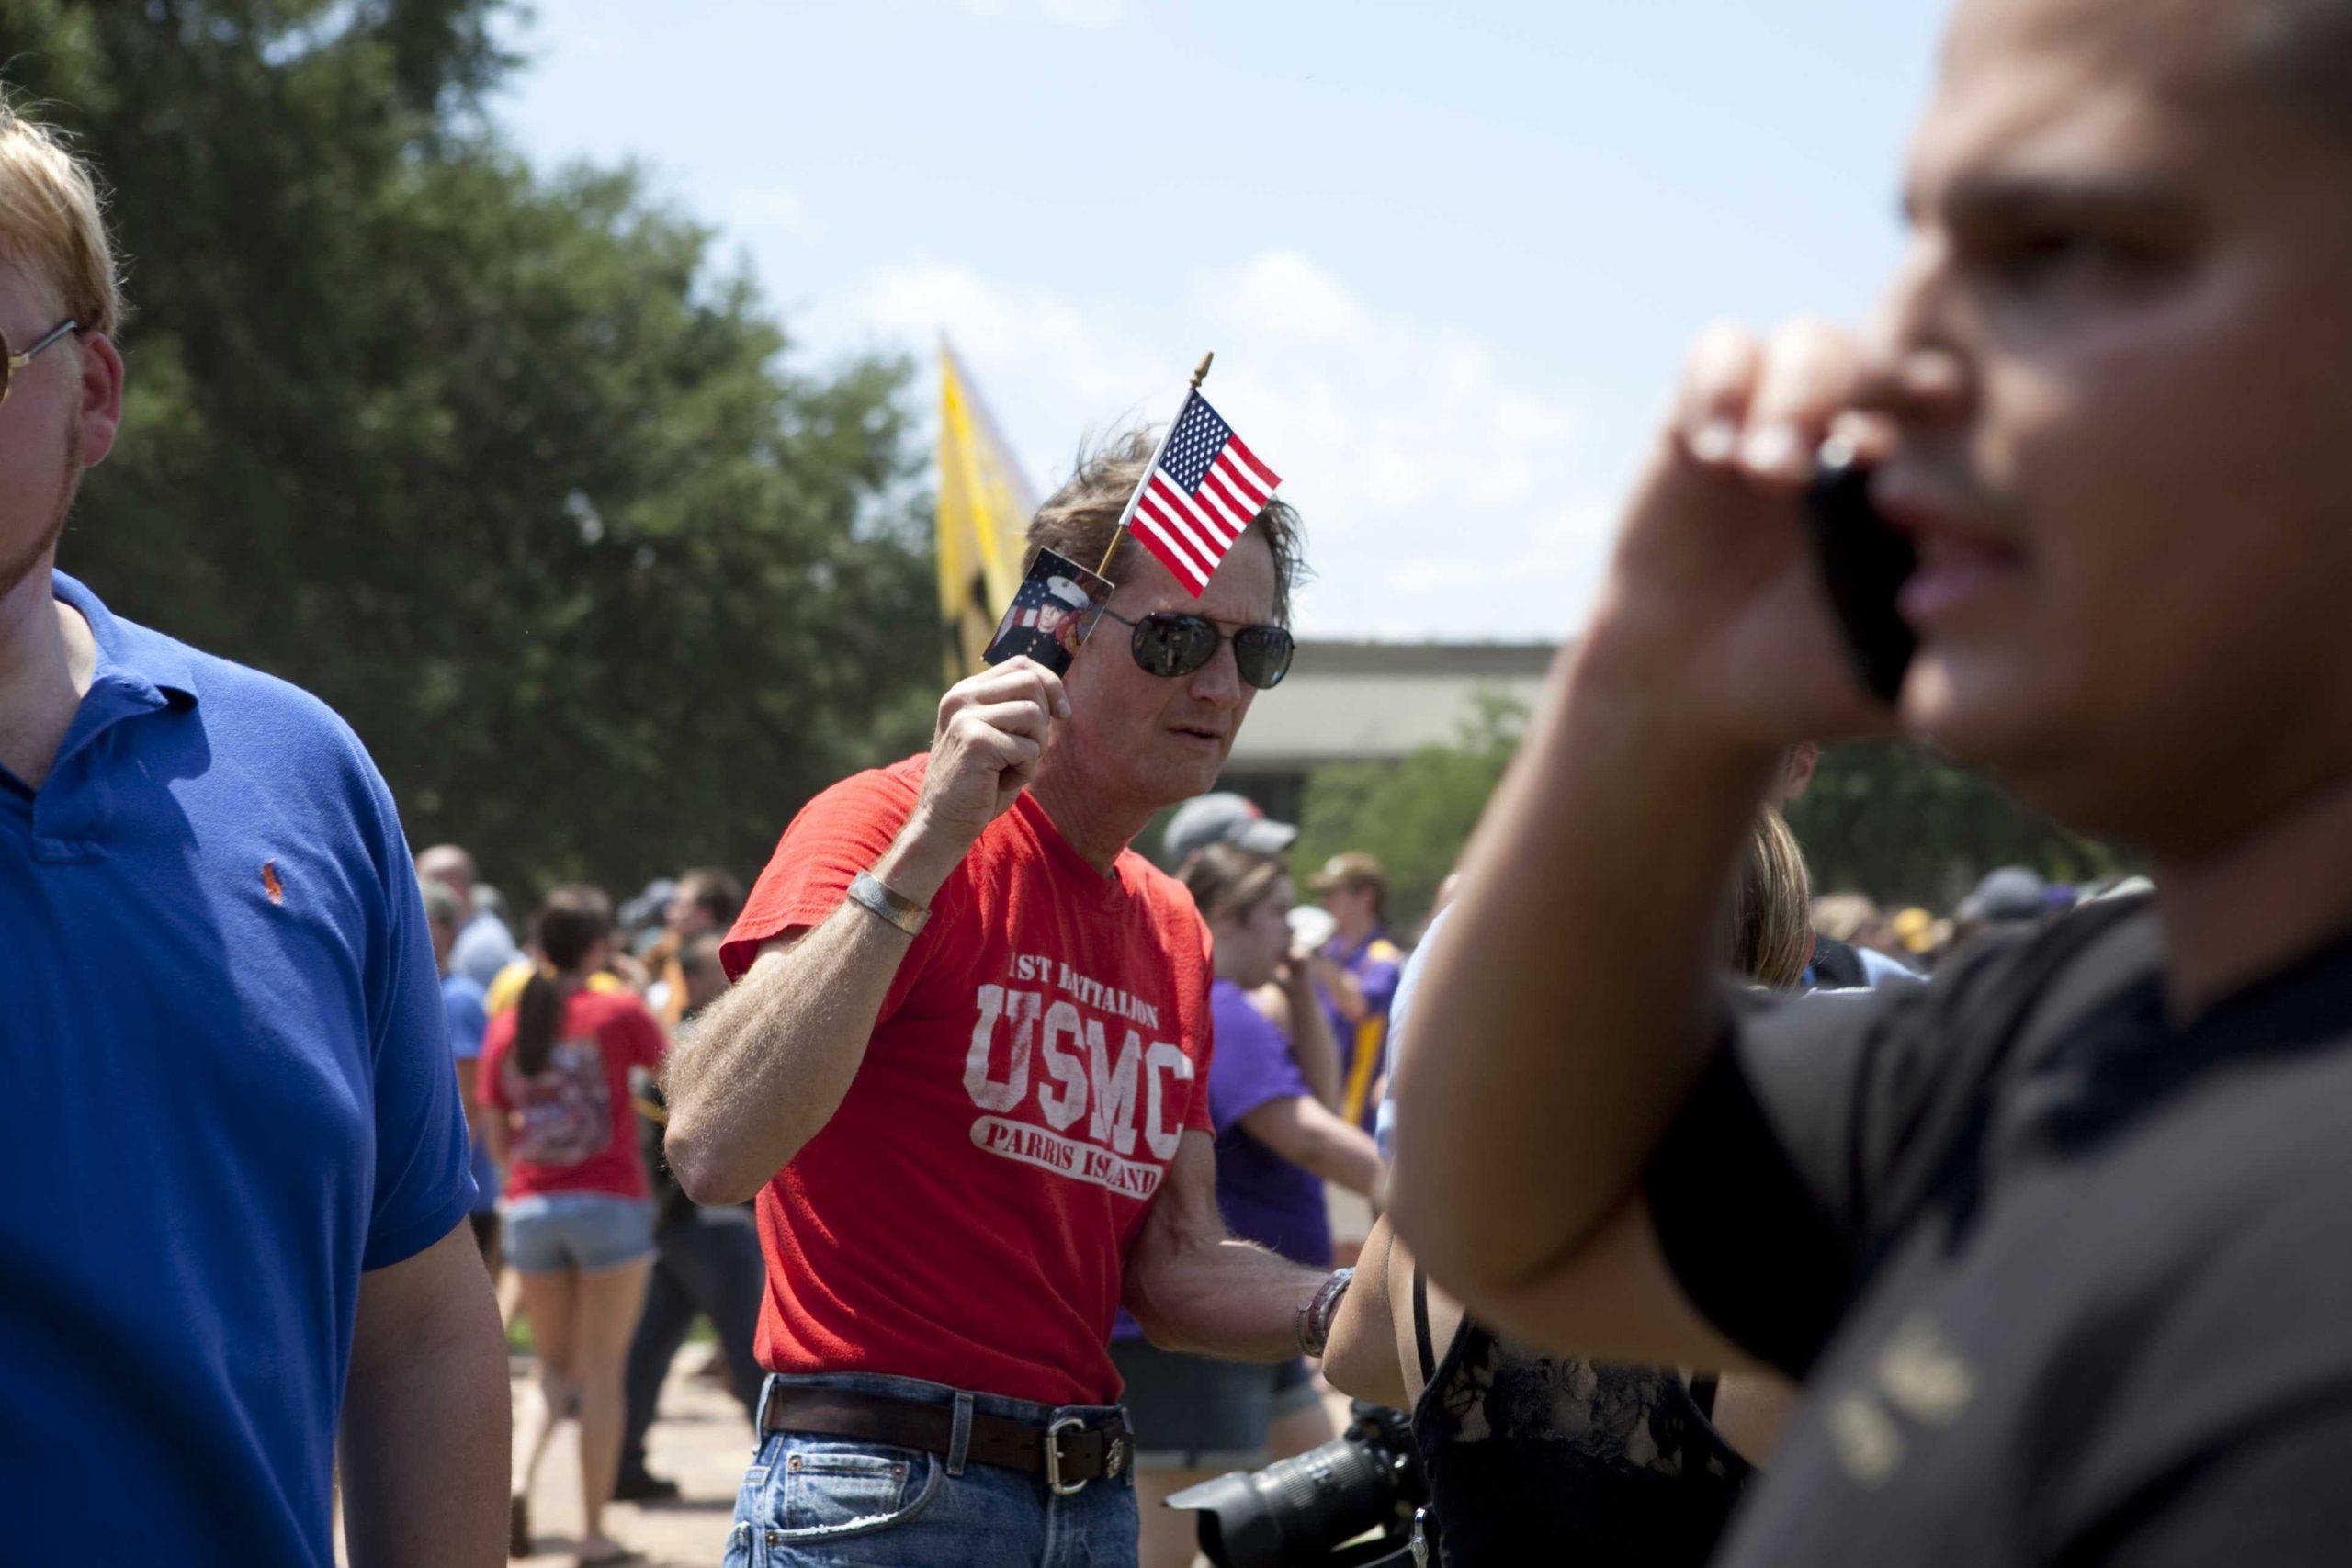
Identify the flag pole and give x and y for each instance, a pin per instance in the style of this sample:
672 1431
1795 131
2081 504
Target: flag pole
1199 375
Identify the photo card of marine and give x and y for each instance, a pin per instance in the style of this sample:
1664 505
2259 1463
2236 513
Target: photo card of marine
1052 614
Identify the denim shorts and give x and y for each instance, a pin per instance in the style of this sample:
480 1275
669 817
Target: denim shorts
550 1232
812 1502
1205 1414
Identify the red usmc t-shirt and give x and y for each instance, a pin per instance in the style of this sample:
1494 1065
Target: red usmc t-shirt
571 1127
965 1215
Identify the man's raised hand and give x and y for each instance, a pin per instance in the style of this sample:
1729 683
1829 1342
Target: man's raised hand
1712 602
993 731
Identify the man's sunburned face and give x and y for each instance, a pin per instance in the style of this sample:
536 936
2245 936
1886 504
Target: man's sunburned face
2120 353
1151 741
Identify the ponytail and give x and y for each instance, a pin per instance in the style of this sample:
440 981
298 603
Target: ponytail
538 1015
570 923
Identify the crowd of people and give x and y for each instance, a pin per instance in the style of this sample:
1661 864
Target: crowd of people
1713 1231
1918 939
559 1035
611 1263
558 1045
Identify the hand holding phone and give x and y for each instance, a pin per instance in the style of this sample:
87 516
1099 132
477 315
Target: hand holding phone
1863 562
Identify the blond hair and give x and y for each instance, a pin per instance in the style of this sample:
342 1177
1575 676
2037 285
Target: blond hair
1771 932
52 224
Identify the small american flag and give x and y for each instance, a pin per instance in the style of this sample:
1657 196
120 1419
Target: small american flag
1200 495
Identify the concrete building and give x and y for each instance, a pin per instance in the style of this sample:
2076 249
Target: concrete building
1368 701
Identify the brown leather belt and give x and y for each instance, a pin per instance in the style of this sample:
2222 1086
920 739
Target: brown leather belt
1069 1452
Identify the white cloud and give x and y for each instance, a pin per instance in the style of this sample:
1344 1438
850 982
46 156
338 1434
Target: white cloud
1446 492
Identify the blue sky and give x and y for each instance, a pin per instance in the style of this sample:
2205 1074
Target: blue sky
1448 259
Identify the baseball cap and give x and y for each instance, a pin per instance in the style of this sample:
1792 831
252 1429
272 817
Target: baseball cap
647 907
1350 868
1223 817
2010 893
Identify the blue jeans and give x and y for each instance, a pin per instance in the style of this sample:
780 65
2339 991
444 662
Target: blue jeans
810 1502
551 1231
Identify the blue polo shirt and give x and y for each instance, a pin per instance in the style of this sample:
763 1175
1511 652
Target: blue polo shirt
224 1092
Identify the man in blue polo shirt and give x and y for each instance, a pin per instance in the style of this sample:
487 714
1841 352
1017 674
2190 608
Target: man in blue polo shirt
233 1185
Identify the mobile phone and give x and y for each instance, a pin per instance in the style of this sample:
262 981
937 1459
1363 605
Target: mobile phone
1864 562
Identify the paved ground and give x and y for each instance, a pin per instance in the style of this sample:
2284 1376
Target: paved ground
701 1442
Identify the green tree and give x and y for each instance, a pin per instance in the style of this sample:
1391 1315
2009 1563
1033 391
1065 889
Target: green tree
1414 814
501 466
1883 817
1890 819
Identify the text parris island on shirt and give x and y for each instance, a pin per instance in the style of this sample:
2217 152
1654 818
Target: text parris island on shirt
1138 1088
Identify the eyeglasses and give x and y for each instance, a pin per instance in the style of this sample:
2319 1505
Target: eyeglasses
12 363
1169 643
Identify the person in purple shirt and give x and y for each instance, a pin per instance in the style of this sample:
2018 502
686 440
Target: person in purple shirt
1356 971
1275 1085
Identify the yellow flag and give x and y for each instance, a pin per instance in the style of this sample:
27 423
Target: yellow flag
984 511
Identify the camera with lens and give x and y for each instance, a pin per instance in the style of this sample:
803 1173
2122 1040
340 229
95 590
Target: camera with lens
1349 1504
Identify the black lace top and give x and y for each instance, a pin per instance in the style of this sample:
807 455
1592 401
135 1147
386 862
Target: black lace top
1536 1459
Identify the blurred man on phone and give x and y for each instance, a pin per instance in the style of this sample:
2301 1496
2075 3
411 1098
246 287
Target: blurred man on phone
2056 1240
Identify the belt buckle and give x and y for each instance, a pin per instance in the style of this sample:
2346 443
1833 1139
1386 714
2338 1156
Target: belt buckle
1053 1482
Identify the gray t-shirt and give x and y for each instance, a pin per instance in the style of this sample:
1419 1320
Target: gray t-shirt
2068 1282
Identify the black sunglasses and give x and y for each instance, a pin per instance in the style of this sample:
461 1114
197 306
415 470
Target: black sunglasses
10 363
1170 643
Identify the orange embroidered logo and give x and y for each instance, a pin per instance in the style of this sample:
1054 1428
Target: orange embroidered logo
270 883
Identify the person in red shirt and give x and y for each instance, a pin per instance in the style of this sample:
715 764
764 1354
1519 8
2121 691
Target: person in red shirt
555 1076
965 1069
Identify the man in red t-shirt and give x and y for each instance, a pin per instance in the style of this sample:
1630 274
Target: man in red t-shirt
965 1067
